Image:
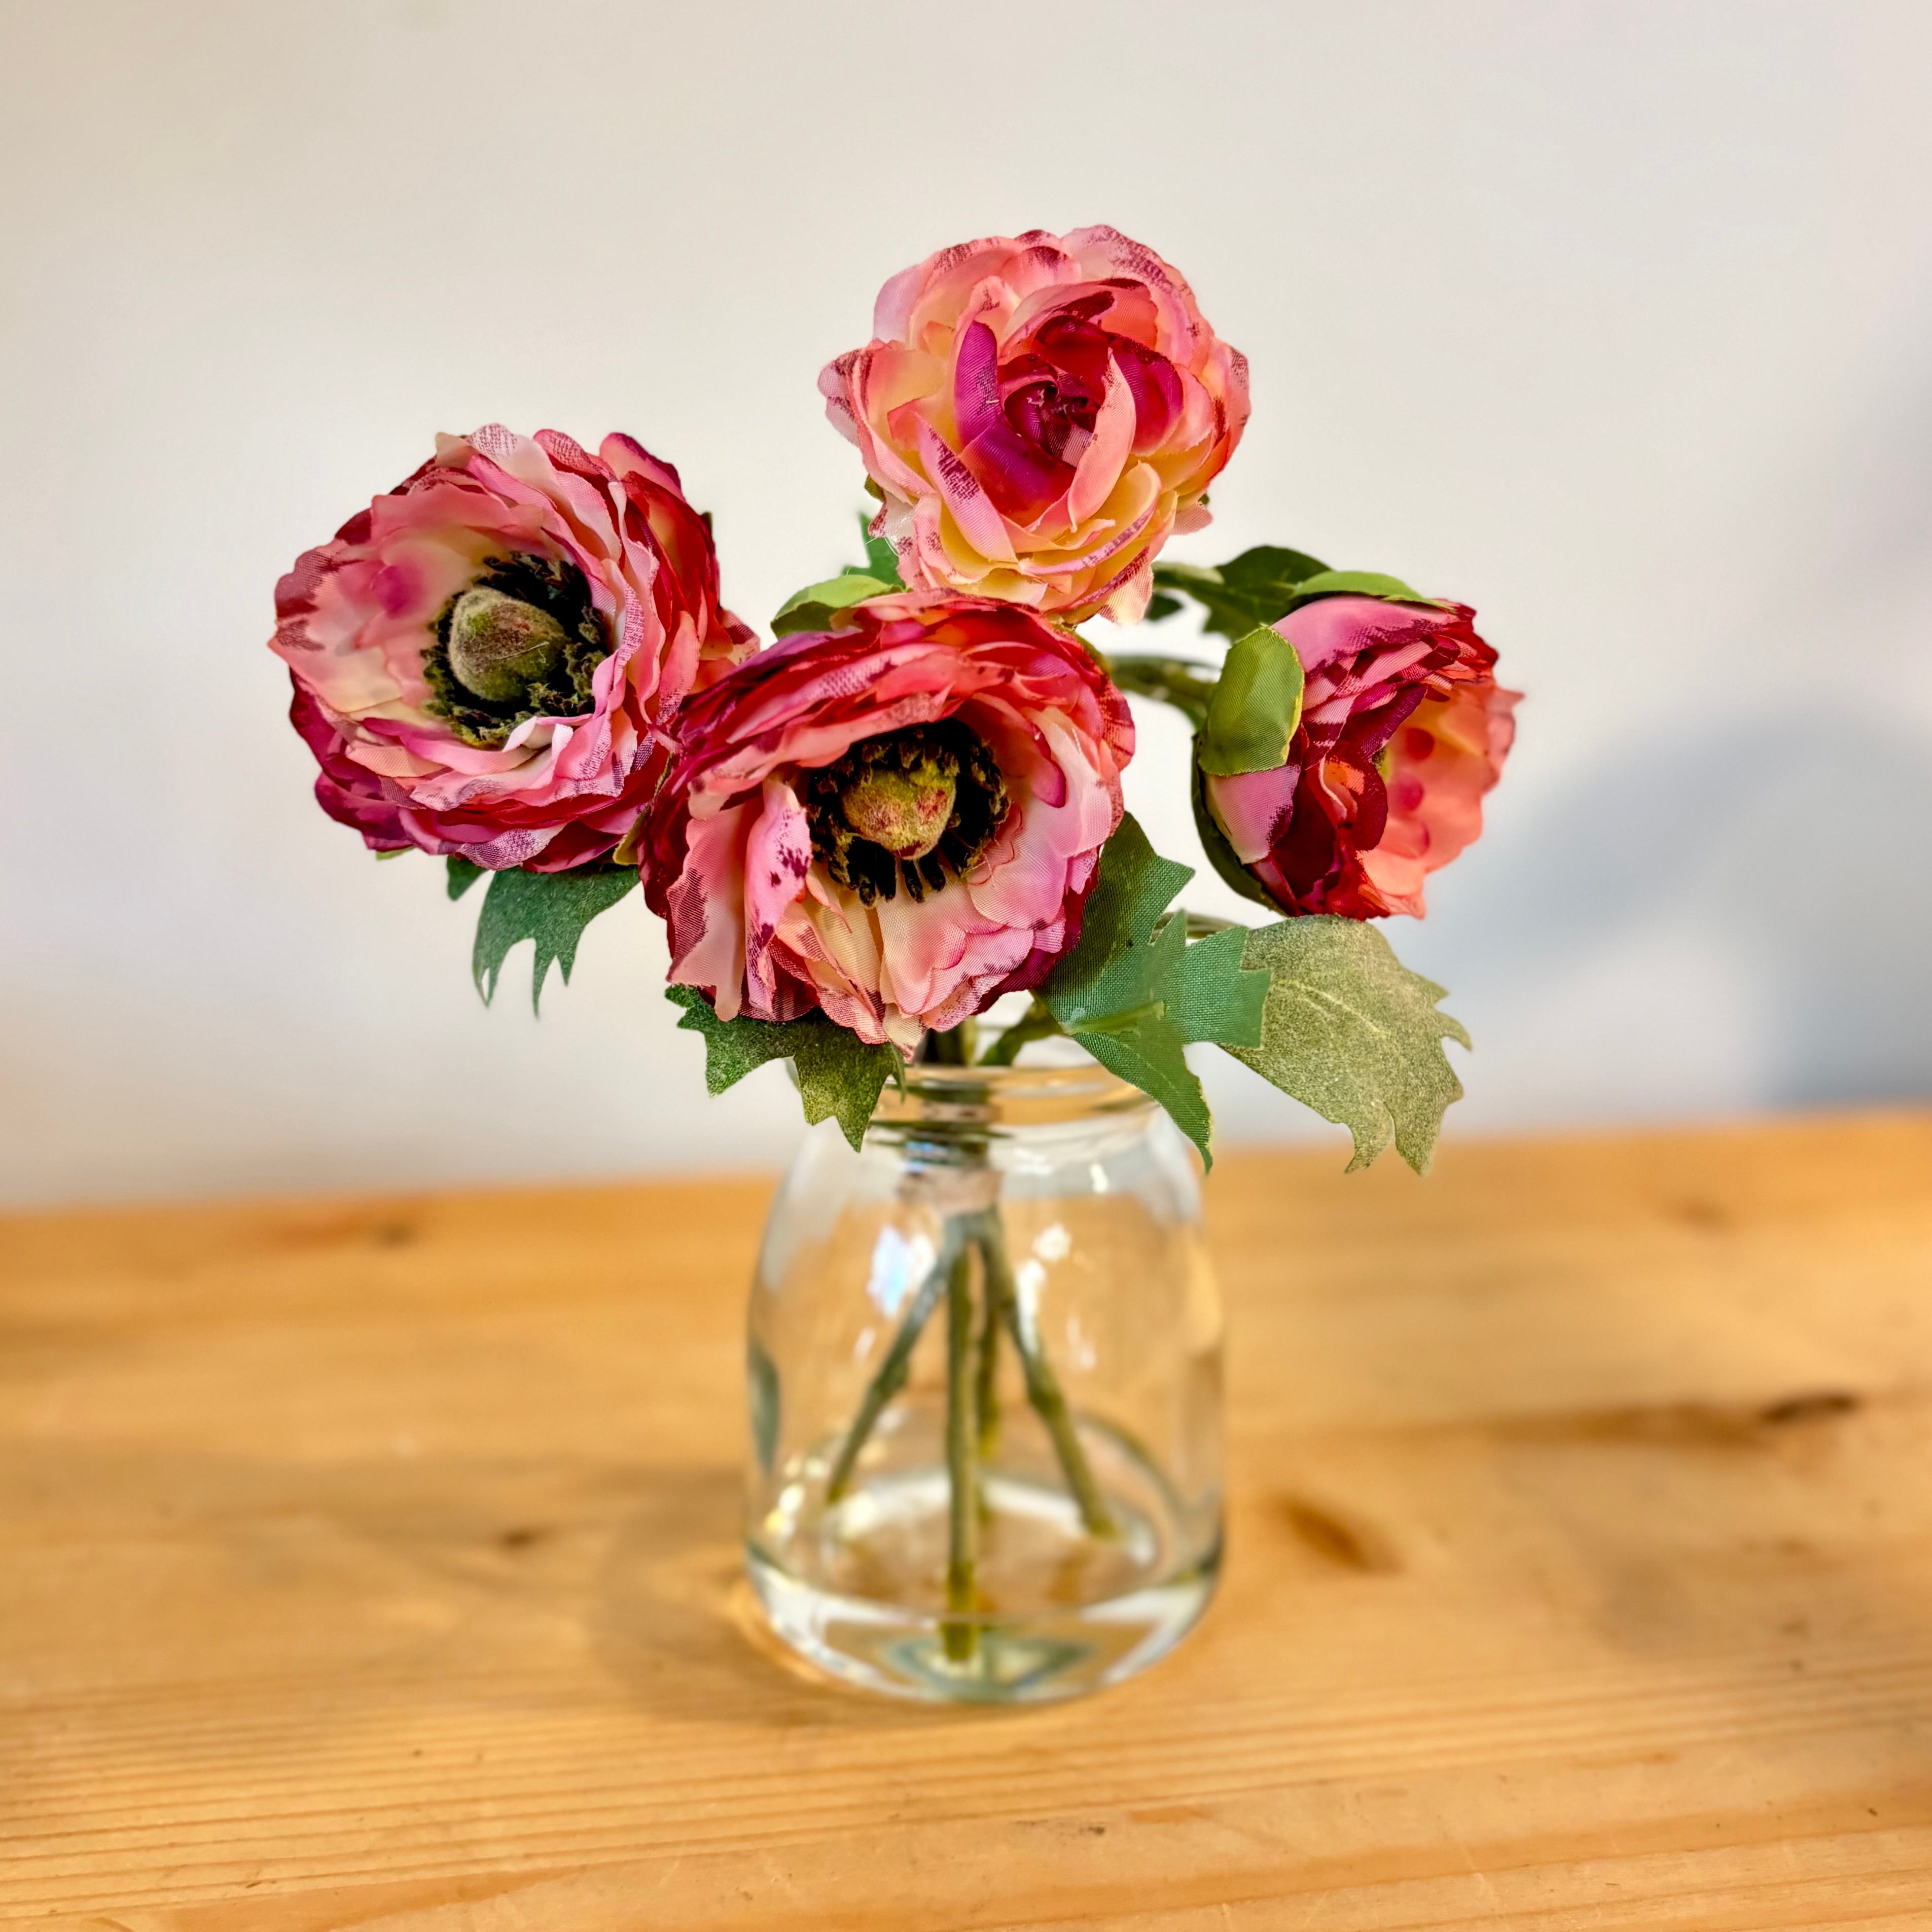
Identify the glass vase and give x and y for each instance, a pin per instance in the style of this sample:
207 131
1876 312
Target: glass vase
984 1362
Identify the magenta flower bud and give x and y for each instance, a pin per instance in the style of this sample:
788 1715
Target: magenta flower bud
1403 729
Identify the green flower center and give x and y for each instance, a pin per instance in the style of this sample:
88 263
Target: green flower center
499 646
908 808
523 641
906 811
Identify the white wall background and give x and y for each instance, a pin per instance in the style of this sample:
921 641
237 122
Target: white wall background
1614 319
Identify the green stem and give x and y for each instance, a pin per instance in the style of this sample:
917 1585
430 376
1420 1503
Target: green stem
1036 1023
1205 925
958 1634
1179 682
1043 1386
986 1392
892 1371
952 1048
1125 1020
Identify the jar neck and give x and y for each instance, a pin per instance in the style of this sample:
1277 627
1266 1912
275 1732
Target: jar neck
956 1110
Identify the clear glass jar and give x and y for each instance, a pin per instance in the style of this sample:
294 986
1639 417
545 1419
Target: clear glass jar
984 1364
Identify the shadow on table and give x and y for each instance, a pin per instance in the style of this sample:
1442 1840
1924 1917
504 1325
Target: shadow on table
674 1620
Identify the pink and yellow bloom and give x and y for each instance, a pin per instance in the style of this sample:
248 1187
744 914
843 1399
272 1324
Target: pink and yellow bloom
893 822
485 659
1403 729
1040 416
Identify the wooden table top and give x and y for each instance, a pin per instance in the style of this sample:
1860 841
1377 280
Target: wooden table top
373 1564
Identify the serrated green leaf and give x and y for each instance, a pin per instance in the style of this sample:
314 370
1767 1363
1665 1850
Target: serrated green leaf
1229 612
1134 992
1202 989
732 1048
464 874
1269 564
840 1077
1148 1055
814 607
882 561
1262 585
1255 588
1348 1030
1359 584
1217 996
1255 706
549 909
1106 972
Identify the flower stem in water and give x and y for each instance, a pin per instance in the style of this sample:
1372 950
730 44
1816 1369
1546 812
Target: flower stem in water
986 1392
1043 1386
958 1634
892 1371
972 1404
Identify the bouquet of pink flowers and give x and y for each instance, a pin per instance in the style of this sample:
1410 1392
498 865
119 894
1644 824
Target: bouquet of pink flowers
907 806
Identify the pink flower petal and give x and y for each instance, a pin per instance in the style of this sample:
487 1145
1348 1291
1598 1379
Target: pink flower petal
1101 462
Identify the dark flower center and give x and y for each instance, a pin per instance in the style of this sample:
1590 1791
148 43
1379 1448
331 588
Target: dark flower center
1052 410
523 641
910 807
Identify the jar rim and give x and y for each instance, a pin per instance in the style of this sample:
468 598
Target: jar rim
1037 1093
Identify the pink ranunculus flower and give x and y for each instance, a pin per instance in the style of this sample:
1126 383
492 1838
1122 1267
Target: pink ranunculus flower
1040 416
485 658
894 822
1403 729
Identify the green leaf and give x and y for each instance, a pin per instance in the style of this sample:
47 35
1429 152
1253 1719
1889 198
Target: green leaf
839 1075
1160 605
814 607
462 874
549 909
1134 993
1198 992
1359 584
732 1048
1148 1055
1217 996
1229 612
1267 564
1107 972
1262 585
1350 1031
1255 588
882 561
1255 706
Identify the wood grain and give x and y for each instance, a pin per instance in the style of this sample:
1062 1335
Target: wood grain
372 1564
